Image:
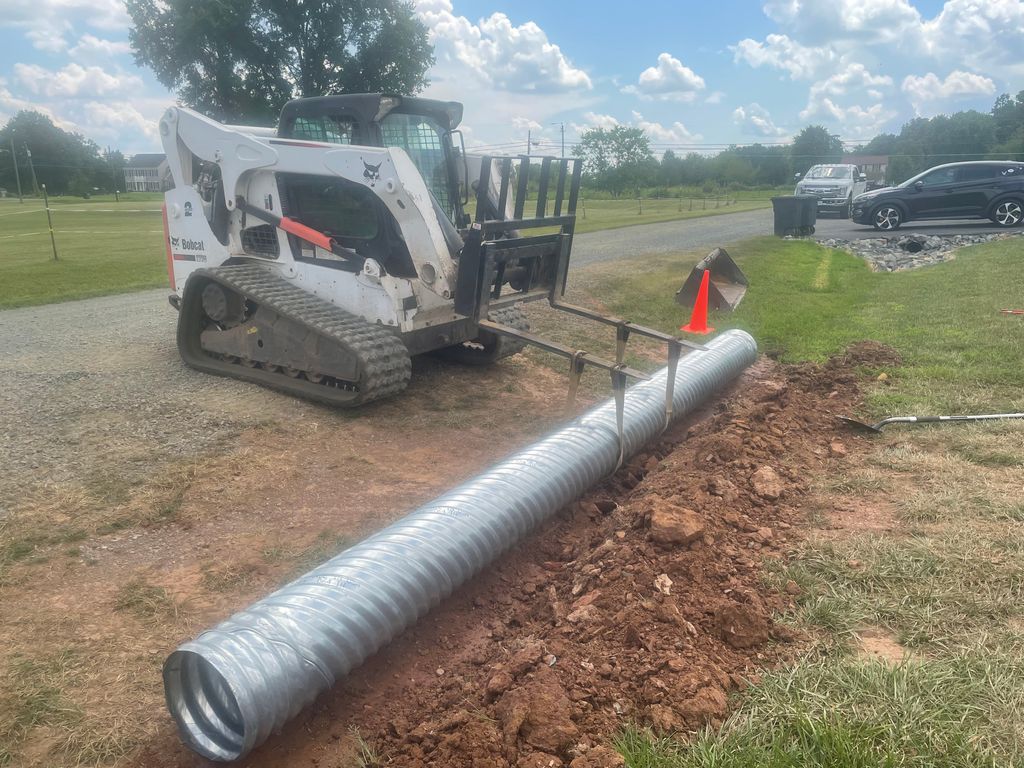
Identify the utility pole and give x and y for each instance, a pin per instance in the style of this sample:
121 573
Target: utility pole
17 175
31 167
563 136
529 141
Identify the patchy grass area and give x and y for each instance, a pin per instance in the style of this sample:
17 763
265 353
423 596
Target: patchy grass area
912 579
103 247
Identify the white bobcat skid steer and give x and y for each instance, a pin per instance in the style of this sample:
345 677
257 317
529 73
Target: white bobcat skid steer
319 257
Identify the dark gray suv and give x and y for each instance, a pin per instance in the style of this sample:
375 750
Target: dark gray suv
984 189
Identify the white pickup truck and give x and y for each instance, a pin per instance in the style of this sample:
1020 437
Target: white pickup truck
835 186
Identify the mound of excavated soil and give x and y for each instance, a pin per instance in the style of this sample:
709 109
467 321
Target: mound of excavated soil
643 602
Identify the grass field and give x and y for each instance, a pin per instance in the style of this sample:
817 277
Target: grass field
596 215
943 584
103 247
109 247
807 302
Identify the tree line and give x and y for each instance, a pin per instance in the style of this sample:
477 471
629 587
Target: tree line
621 160
926 142
66 162
617 161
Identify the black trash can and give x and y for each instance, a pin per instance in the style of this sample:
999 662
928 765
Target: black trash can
808 213
795 215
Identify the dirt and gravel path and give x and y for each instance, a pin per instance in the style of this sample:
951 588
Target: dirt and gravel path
95 387
669 236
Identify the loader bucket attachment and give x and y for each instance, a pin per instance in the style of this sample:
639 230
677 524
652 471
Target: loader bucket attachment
728 283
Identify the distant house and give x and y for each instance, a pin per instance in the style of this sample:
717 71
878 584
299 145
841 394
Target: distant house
3 192
874 166
146 173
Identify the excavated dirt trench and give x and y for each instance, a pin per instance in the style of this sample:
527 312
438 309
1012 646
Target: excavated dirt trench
642 603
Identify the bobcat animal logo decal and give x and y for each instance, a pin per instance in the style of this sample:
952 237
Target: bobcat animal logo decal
371 172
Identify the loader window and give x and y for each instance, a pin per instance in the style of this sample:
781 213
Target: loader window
324 128
423 139
335 207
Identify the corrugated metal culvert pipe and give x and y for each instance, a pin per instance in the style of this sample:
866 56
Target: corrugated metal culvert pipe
234 685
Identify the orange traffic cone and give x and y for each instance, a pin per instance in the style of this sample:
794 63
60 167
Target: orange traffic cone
699 319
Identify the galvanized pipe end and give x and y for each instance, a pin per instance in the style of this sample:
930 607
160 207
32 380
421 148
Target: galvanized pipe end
204 707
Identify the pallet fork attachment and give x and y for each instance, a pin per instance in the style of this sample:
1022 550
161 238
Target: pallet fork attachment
499 266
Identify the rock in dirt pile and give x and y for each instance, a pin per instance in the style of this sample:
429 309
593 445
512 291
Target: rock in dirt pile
643 603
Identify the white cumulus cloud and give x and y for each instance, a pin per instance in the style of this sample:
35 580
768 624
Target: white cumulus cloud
48 37
659 133
676 133
802 62
109 120
74 81
827 21
668 79
595 120
92 47
508 57
755 120
983 35
838 101
930 88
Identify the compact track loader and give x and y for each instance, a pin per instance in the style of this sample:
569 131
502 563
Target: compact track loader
318 257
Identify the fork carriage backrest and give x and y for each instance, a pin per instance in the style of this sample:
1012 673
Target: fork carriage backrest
499 265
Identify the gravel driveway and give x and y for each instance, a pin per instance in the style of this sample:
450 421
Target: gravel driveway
687 234
95 388
844 229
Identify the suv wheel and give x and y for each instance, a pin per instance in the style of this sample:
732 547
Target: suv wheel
844 212
1008 213
887 218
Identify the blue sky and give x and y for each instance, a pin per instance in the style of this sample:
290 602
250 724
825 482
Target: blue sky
693 75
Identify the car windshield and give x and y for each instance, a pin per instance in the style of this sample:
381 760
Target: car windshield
828 172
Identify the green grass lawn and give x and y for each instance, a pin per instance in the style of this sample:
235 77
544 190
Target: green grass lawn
947 582
109 247
806 302
103 247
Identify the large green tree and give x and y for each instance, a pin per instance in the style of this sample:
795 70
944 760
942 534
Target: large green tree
65 162
241 60
814 146
617 158
1008 115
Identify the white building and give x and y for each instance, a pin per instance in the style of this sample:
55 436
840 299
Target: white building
146 173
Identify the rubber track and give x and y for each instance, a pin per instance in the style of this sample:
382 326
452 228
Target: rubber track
383 358
513 317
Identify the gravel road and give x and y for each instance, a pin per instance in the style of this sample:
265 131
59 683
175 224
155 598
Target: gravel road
687 234
95 389
844 229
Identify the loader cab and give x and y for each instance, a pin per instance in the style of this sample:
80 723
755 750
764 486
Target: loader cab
425 128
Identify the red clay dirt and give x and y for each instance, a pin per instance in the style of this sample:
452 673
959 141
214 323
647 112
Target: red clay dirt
641 603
